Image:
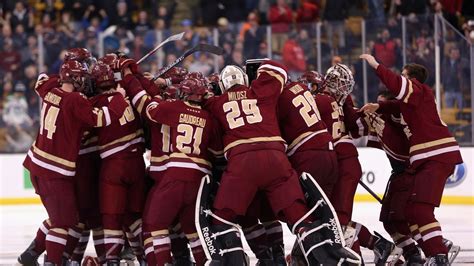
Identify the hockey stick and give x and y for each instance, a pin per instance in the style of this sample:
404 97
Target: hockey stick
202 47
370 191
172 38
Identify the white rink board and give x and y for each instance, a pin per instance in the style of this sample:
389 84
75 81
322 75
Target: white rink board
375 166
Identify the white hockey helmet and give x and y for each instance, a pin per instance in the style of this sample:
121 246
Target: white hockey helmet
232 75
339 82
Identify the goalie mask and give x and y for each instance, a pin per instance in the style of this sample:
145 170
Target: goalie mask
75 73
232 75
339 82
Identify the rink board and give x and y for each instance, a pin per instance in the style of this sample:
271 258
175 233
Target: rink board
15 185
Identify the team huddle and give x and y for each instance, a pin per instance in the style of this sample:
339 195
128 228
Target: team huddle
231 153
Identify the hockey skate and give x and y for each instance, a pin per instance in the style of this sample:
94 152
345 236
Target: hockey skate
438 260
222 243
382 250
29 257
322 241
453 250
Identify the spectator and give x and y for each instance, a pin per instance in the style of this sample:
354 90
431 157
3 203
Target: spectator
122 17
423 54
293 57
235 12
15 111
280 16
334 16
251 19
386 50
306 43
453 68
410 8
376 10
452 12
308 12
225 34
201 65
10 58
18 140
253 37
20 16
166 13
142 25
91 19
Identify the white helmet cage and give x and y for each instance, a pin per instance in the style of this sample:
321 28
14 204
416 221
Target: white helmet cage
339 82
232 75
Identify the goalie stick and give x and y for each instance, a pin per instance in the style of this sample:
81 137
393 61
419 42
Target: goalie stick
202 47
172 38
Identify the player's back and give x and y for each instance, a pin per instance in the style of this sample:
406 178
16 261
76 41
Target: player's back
186 131
123 137
333 116
57 144
300 121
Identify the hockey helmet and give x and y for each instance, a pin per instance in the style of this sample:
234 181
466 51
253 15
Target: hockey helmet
339 82
232 75
75 73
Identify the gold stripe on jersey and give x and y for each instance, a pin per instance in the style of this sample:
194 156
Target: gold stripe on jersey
410 91
142 103
302 136
252 140
160 159
429 226
273 74
413 228
191 236
123 139
52 157
110 232
100 116
430 144
163 232
148 241
185 156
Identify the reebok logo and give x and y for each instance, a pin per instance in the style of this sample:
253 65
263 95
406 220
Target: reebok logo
207 239
337 237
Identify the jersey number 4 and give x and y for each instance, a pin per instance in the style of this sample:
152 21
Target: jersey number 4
48 120
234 113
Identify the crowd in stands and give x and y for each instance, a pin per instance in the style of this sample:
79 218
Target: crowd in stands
35 33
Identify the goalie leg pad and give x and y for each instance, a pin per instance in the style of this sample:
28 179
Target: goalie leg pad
322 239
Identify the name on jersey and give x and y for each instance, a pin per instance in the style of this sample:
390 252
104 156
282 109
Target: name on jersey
193 120
52 98
238 95
296 89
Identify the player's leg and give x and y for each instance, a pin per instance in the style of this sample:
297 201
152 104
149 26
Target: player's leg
162 207
273 231
29 257
420 209
57 195
179 245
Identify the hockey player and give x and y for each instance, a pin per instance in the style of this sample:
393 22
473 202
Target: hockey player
433 152
122 172
252 140
64 116
181 162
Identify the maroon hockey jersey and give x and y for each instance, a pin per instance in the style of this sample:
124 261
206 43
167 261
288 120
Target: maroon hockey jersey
122 136
428 135
333 116
64 117
300 122
248 115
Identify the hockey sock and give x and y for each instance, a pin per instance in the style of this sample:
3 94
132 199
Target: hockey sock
134 234
73 235
148 246
196 248
422 216
257 239
179 242
98 237
296 211
81 246
366 239
274 232
162 246
40 239
403 241
55 244
113 235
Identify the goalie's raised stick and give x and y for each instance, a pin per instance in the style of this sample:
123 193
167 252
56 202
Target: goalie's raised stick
202 47
172 38
370 191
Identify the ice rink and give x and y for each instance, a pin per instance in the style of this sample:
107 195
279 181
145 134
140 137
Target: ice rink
19 223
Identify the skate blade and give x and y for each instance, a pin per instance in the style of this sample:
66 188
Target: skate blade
453 253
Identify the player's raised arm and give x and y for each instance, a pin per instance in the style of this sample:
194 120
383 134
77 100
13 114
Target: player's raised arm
271 78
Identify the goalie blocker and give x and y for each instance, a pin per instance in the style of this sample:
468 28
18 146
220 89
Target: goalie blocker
323 239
